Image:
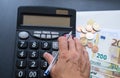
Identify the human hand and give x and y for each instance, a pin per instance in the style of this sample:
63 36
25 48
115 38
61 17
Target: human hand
73 60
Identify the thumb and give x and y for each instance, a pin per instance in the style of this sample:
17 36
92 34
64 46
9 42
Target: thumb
48 57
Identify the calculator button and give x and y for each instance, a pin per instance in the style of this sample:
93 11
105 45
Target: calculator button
43 64
22 44
45 45
36 35
21 63
42 74
32 74
53 32
55 36
33 64
23 35
21 54
54 53
33 54
46 32
48 36
43 36
33 45
37 32
20 74
55 45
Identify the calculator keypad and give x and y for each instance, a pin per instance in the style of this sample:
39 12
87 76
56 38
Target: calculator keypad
29 53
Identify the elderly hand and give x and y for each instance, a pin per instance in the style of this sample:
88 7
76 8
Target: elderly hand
73 60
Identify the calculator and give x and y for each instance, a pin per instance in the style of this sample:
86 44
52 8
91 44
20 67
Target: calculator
37 31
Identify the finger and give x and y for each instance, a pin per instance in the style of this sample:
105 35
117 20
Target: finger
48 57
82 60
78 45
71 44
86 55
79 48
63 45
83 64
87 62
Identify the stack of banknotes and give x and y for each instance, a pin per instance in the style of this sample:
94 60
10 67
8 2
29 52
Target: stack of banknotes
105 62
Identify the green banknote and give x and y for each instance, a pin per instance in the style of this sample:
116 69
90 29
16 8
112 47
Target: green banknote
106 69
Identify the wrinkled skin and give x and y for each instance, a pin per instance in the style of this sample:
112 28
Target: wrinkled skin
73 60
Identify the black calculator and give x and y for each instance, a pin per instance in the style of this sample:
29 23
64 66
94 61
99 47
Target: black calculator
37 31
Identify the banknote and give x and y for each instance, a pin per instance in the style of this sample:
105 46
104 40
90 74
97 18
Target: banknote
105 65
109 46
99 73
96 70
106 61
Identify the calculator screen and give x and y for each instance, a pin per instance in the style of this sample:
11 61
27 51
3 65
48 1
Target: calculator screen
41 20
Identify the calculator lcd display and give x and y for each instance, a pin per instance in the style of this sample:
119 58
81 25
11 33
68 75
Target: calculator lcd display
37 20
